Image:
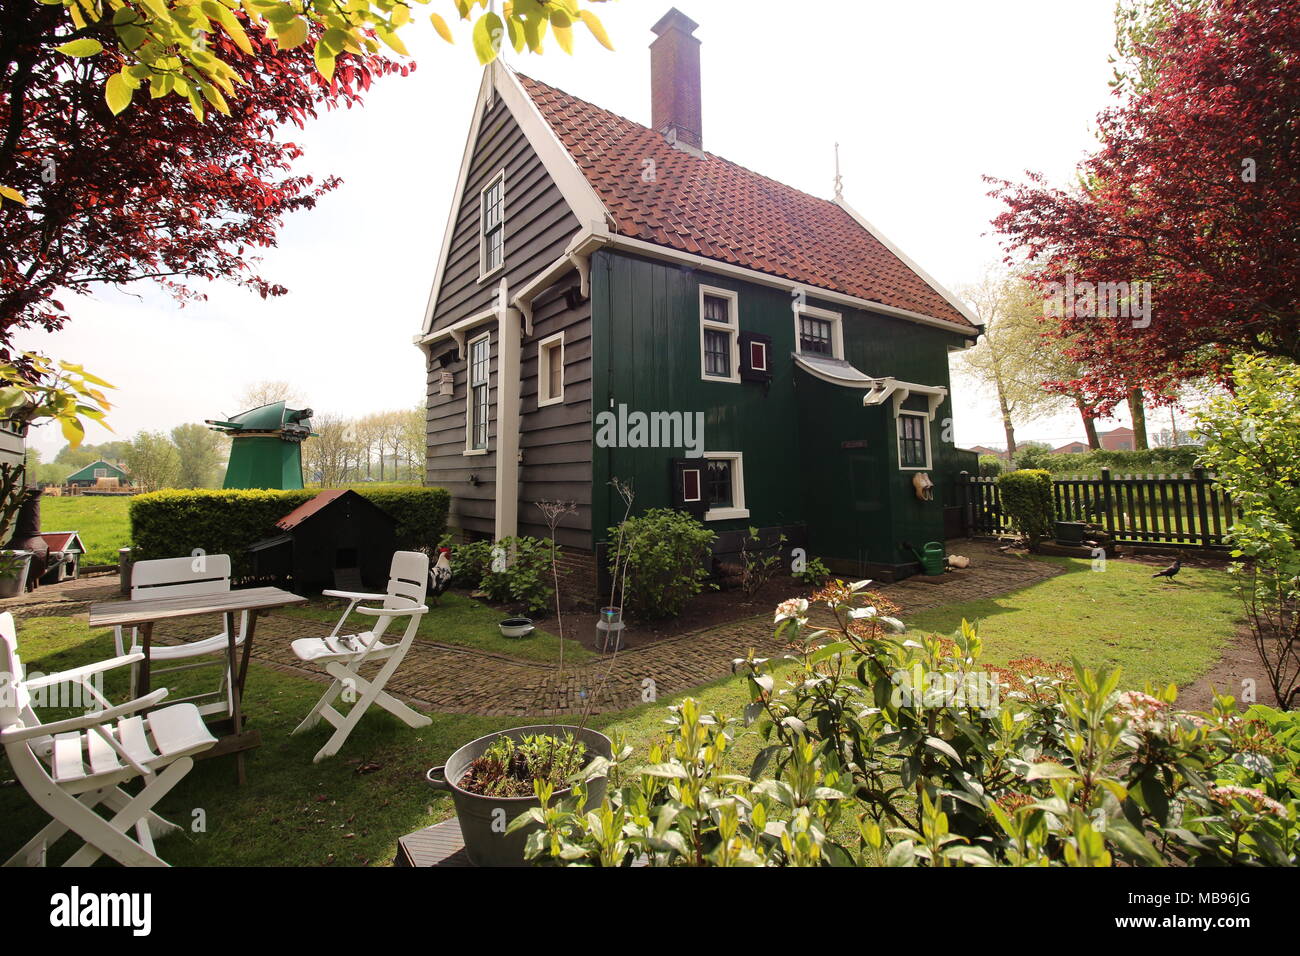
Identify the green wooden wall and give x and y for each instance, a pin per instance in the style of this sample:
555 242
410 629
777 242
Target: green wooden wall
856 503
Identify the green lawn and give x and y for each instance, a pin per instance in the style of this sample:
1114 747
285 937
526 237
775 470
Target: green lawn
1117 617
101 519
351 809
456 619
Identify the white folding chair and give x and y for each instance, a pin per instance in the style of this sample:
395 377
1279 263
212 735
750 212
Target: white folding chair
343 656
69 767
182 577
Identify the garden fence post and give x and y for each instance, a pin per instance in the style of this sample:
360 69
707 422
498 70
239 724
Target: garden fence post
1202 510
1107 502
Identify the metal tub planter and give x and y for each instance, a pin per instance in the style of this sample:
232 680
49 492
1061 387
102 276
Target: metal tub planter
483 818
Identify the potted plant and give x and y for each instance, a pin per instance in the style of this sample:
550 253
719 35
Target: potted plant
492 781
496 778
14 566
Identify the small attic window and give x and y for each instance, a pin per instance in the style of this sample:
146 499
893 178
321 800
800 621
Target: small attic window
492 226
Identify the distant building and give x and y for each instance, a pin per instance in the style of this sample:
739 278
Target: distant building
89 476
985 450
1073 448
1117 439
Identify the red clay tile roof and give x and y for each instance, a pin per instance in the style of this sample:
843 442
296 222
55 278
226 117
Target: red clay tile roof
308 508
713 208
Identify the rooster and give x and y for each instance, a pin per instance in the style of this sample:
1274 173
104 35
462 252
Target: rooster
440 574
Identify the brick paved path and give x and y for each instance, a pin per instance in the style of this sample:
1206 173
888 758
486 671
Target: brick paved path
451 679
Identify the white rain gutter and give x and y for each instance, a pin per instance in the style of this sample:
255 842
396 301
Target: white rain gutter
576 255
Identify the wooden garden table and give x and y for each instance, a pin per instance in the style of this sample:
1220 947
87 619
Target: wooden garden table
144 613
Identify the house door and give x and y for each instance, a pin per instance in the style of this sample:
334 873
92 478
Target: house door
863 508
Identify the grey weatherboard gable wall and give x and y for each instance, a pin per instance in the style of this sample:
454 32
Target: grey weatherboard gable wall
555 440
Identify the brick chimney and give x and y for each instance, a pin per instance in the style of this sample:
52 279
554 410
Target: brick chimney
675 80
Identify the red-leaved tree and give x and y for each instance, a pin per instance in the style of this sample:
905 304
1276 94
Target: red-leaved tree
1196 190
153 193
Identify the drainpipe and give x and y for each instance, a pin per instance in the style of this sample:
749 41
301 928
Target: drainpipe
507 476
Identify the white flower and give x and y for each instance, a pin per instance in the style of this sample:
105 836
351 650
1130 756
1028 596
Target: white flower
795 608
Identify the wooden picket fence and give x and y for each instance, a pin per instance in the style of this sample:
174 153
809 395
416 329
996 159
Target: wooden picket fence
1188 510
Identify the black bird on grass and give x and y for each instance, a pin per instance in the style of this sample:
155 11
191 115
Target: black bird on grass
1170 571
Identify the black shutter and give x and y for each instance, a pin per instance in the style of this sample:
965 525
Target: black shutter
687 485
755 357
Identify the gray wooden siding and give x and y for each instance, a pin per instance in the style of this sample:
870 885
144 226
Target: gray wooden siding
555 440
538 221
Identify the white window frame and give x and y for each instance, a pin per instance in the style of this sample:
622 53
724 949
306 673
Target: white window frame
750 357
469 395
544 348
500 177
925 430
836 319
737 509
732 328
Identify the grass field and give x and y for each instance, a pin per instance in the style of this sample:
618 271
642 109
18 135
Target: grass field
351 809
1119 617
102 521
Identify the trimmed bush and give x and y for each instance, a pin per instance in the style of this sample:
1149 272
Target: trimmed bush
1027 500
1154 461
666 554
172 524
990 466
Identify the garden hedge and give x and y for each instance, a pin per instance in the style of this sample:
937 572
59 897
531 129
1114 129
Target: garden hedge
171 524
1027 500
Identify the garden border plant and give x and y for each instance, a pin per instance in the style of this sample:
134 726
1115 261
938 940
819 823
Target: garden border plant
887 750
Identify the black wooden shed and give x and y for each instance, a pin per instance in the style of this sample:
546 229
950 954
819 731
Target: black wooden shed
338 539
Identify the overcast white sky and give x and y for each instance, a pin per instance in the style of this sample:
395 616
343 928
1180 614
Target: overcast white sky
924 99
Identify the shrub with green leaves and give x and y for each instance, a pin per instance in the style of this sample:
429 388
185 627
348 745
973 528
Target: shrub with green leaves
814 573
172 524
1027 500
518 571
666 561
990 466
1252 443
880 748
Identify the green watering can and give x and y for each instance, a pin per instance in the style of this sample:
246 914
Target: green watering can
931 557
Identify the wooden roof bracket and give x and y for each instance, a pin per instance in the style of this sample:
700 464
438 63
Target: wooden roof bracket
897 393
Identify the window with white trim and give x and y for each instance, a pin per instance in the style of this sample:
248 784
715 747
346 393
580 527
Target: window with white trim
550 370
719 333
818 332
724 485
492 226
478 410
913 441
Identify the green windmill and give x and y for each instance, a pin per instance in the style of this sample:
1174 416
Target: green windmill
266 446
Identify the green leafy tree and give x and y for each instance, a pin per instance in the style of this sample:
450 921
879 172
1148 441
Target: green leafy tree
1252 442
1006 362
199 451
167 47
153 461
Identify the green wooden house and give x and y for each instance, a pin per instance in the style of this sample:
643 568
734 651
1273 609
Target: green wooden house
88 477
611 301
